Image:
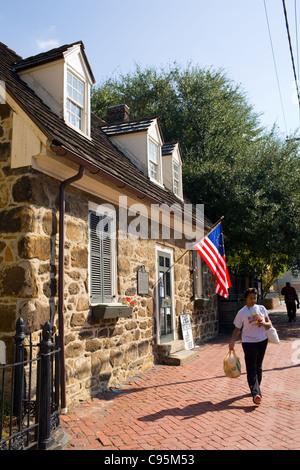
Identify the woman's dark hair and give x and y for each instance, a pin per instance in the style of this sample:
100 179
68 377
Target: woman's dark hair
250 290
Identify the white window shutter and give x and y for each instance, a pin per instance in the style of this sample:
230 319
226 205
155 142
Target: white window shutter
107 261
100 259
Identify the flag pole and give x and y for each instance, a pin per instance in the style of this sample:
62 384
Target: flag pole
175 262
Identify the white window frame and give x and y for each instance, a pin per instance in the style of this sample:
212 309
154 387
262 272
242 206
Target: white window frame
200 269
109 211
70 98
169 251
84 129
152 162
177 181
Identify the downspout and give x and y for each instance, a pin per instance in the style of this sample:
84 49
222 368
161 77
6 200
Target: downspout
61 283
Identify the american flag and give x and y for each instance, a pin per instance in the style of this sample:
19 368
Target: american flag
212 251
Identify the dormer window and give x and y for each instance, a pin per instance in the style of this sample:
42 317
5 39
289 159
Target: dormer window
75 101
154 161
172 168
176 178
140 140
62 78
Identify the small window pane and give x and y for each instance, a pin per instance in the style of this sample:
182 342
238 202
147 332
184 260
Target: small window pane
80 99
153 152
75 100
153 171
176 171
80 87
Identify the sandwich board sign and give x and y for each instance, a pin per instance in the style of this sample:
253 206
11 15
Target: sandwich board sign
187 333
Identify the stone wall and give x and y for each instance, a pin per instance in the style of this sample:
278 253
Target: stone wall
102 353
203 312
27 241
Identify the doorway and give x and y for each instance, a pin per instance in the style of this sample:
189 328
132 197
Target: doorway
165 314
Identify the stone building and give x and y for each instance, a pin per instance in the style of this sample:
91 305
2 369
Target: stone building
90 218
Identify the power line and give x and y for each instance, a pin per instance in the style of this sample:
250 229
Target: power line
276 72
296 26
291 50
297 43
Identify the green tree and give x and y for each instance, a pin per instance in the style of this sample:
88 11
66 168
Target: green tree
231 164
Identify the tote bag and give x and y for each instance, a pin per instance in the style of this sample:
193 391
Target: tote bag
272 335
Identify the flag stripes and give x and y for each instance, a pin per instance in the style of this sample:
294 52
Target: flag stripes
211 249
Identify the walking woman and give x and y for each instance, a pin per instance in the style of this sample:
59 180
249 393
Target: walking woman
253 320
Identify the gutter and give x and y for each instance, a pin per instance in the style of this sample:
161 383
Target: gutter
63 151
94 169
61 279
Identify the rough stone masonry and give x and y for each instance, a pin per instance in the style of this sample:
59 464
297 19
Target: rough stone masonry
99 353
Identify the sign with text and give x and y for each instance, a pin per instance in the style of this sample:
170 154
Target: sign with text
187 333
142 281
2 353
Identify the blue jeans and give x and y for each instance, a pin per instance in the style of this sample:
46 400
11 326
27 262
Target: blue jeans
254 355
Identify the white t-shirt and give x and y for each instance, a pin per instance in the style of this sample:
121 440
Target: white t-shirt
246 318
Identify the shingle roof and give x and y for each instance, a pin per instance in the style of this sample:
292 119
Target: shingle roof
167 149
141 125
49 56
98 152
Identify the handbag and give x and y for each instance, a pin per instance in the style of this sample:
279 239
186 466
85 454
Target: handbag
272 335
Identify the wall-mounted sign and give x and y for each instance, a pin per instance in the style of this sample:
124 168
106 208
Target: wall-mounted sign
187 333
2 353
142 281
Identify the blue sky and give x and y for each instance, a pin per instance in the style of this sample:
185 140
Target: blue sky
117 34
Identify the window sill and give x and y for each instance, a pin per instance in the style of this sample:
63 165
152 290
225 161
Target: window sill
83 133
178 196
153 180
111 311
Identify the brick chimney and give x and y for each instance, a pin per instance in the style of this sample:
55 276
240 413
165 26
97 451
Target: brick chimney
119 113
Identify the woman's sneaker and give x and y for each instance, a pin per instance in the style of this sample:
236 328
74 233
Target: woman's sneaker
257 399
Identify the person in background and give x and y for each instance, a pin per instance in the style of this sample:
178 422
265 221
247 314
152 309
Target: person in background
253 320
290 298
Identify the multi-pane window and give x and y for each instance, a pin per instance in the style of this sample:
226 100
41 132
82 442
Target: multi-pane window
102 257
75 101
176 178
153 160
200 269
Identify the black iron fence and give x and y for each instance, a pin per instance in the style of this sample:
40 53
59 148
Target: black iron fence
29 392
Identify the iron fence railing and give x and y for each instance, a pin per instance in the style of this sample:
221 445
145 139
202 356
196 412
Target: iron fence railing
29 392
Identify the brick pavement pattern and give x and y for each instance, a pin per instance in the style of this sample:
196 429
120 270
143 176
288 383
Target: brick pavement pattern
195 407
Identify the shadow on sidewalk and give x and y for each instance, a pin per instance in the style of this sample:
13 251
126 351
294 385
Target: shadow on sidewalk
198 409
287 331
113 394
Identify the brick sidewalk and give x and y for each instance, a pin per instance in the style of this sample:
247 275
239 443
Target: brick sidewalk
196 407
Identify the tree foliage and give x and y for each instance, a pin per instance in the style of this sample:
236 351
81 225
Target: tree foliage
231 164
